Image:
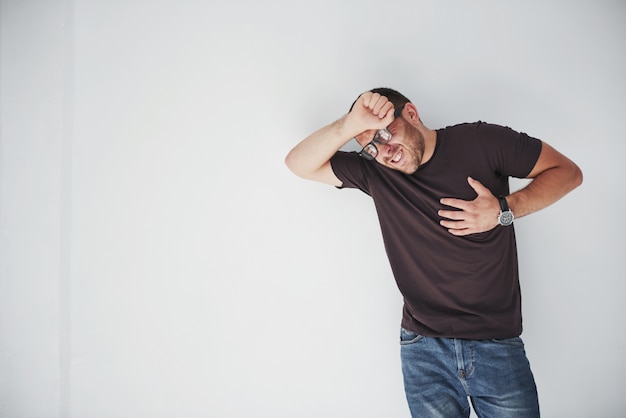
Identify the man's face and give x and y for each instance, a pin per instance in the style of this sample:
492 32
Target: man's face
405 150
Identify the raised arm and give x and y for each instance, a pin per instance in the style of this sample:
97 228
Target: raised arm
310 159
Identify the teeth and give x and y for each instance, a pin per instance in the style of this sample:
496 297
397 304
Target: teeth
397 157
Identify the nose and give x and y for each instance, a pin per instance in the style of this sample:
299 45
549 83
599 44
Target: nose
384 150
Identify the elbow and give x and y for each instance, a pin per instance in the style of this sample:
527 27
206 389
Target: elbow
577 176
291 161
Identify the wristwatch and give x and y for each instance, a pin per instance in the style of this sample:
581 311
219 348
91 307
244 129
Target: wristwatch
505 218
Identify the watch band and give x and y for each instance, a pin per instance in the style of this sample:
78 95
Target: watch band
504 206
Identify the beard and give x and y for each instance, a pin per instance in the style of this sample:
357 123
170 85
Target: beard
415 145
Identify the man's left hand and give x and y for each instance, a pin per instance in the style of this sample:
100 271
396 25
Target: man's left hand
472 216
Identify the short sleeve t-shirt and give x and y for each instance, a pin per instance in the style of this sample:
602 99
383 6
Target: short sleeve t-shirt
457 287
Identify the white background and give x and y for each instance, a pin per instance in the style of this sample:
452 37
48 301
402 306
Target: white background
157 259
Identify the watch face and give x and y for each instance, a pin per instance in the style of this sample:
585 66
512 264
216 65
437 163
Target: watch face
506 218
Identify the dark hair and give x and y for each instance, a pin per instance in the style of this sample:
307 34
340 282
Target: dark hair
396 98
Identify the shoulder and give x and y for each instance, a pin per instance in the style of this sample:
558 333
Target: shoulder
460 131
352 170
463 126
480 130
478 126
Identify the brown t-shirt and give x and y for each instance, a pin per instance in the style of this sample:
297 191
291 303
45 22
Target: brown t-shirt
457 287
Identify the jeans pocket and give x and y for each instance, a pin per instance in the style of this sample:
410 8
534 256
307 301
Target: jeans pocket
408 337
512 342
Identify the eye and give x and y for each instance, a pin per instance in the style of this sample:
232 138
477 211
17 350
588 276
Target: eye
382 136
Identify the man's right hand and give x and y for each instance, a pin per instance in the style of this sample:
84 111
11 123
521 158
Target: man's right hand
371 111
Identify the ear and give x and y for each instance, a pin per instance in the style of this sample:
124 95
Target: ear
410 112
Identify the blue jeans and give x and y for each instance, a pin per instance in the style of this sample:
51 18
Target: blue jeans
441 373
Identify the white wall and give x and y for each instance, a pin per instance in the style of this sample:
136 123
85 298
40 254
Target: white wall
158 260
33 221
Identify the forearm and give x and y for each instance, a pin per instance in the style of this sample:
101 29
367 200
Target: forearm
314 152
546 188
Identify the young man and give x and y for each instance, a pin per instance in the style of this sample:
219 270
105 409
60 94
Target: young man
446 213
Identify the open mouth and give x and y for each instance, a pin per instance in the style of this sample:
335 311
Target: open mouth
398 157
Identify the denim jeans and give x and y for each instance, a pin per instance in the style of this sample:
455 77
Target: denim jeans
440 374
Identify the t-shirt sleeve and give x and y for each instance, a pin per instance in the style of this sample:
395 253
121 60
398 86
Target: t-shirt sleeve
514 153
352 170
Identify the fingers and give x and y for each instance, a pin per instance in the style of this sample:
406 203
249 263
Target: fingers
478 187
371 111
461 232
454 203
378 105
460 227
456 215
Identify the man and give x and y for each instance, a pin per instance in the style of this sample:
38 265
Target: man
446 213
